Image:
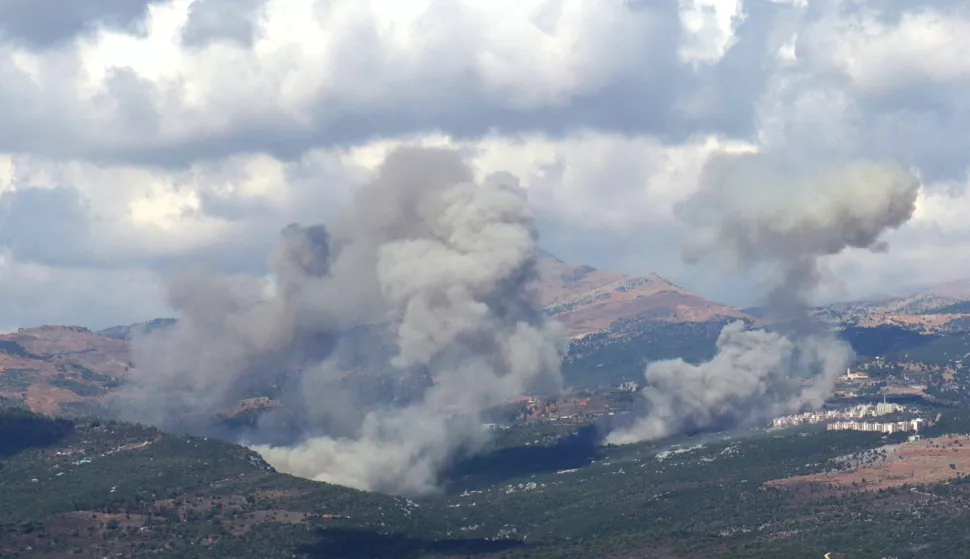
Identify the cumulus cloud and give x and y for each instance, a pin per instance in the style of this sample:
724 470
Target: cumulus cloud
222 20
192 132
47 23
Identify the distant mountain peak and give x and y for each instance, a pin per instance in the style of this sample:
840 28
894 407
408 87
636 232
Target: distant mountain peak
588 300
546 255
942 308
126 331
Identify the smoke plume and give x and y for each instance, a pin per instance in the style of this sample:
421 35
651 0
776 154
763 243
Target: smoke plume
760 211
232 340
439 260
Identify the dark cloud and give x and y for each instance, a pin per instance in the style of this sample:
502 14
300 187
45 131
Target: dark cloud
222 20
44 224
646 97
652 93
43 24
914 136
647 90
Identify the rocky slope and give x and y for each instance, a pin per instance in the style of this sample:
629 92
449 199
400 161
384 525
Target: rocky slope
60 369
940 309
587 300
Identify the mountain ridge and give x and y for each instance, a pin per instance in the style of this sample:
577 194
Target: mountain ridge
72 370
937 309
613 319
588 300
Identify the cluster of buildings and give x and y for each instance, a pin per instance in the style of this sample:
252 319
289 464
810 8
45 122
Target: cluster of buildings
562 408
857 412
628 386
897 427
854 375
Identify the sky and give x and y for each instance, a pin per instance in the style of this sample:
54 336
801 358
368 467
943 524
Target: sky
140 139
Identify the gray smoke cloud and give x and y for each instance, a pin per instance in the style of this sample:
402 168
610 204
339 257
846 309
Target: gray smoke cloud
764 210
233 339
441 261
453 261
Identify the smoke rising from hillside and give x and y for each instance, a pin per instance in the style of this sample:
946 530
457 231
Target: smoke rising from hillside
231 339
754 210
442 260
760 209
748 370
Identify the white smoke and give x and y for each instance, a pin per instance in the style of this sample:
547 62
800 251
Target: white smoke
749 378
442 260
760 209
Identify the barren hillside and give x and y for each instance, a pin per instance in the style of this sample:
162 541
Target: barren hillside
912 463
944 308
588 300
60 369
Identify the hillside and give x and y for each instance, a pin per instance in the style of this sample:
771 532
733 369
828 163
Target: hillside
583 298
71 370
125 332
92 489
587 300
941 309
60 369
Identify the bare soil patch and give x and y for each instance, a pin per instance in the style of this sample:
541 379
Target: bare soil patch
914 463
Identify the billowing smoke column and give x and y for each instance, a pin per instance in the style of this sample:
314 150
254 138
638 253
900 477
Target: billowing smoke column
760 209
453 261
754 210
231 340
443 261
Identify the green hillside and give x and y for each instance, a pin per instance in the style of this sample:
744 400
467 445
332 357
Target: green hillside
111 488
604 359
93 489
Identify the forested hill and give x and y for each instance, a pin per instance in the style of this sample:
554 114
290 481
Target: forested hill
106 489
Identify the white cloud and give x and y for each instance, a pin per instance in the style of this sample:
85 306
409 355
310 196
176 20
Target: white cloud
195 138
709 27
311 63
602 181
923 47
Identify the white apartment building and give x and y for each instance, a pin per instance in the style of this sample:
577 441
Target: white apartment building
897 427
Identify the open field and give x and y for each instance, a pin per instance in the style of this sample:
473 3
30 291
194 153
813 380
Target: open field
914 463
